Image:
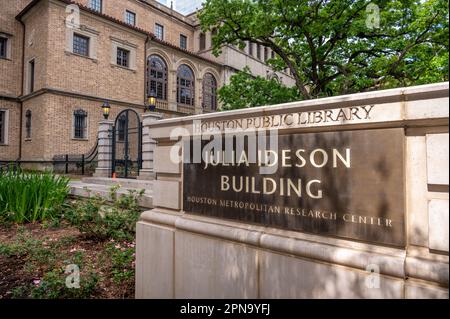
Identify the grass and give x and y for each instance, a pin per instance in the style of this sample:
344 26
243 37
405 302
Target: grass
31 197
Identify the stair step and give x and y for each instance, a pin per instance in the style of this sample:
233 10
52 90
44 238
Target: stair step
125 183
87 190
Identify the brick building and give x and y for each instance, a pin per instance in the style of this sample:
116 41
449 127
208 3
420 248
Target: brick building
60 60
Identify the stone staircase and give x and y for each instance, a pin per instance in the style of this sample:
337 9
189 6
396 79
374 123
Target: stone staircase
91 186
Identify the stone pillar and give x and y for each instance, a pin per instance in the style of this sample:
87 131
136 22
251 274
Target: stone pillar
198 95
148 147
172 90
105 135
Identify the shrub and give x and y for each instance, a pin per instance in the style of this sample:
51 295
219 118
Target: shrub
122 261
96 218
53 286
47 260
31 197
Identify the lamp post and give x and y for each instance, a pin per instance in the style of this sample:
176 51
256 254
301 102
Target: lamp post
151 101
106 108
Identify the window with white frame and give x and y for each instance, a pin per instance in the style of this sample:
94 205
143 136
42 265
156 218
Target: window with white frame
96 5
123 53
80 44
159 31
123 57
157 77
185 85
3 126
80 124
130 17
3 47
183 41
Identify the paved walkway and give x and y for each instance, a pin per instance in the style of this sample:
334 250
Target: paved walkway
92 186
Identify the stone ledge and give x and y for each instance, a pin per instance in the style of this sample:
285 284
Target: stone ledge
427 270
438 90
346 253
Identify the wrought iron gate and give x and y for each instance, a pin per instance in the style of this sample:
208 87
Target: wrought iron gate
127 145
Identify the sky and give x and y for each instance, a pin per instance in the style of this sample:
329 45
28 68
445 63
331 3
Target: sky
183 6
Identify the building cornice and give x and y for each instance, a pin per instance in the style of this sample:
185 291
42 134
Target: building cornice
9 98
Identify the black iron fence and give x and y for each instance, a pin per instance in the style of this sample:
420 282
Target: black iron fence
83 164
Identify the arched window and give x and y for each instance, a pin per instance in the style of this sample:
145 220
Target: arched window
209 92
28 124
157 77
185 85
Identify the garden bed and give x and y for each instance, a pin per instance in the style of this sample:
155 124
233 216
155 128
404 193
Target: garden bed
56 247
33 259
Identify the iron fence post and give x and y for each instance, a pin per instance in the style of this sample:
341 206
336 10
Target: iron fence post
82 164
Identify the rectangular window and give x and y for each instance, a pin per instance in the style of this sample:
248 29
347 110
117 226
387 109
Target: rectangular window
3 47
266 54
130 17
80 45
2 127
96 5
183 42
159 31
28 124
123 57
202 41
80 124
258 51
250 48
31 72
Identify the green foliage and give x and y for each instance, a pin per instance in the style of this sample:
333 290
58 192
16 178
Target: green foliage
27 246
95 218
122 261
336 47
31 197
53 286
48 256
246 90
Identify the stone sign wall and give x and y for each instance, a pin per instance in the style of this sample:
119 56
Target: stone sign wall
351 200
347 184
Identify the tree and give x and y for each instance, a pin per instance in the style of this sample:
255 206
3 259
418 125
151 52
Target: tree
338 47
245 90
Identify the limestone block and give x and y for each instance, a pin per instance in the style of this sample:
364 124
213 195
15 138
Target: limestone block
288 277
167 194
416 196
214 268
437 159
438 224
415 290
163 162
154 261
427 109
